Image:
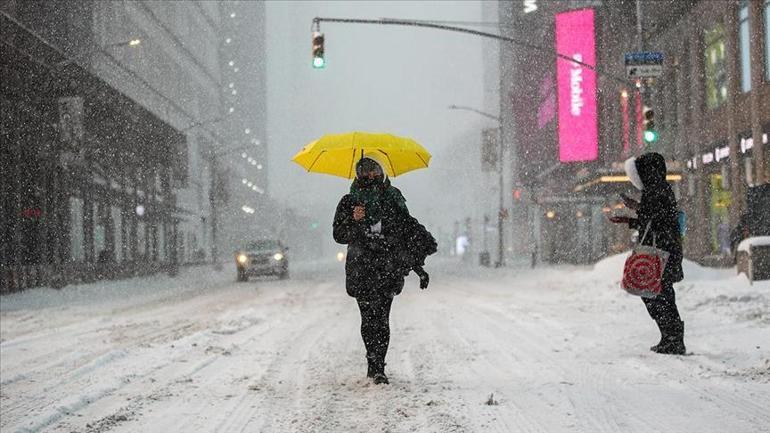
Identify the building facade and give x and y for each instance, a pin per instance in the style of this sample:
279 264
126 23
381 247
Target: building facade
709 104
88 173
123 146
715 97
176 73
248 211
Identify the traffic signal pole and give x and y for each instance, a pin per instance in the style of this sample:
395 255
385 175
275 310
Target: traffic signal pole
428 24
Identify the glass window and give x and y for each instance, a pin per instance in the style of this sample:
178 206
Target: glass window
141 241
117 227
716 67
767 39
162 253
99 230
77 252
744 42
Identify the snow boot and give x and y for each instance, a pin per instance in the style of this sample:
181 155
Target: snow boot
376 370
380 378
662 337
672 340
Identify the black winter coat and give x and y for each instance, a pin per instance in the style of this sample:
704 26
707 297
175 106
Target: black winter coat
658 208
378 262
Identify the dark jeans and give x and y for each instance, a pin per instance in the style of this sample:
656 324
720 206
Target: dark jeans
375 325
662 308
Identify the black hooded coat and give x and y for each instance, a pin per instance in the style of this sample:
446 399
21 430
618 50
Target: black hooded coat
377 263
658 208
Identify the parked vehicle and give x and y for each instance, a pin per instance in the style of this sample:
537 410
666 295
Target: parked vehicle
262 257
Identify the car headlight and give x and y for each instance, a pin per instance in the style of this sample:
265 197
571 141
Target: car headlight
278 256
340 256
242 258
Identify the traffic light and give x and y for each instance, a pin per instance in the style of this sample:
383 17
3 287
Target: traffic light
318 50
650 134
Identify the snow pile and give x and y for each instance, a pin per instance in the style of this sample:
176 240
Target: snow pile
611 269
758 241
119 292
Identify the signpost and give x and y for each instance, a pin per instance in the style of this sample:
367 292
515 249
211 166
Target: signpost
644 64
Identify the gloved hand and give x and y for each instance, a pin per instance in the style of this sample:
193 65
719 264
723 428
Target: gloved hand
424 277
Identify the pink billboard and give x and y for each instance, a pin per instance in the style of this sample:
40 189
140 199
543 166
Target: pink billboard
578 131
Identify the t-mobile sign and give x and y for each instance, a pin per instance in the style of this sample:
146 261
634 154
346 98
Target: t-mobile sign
578 136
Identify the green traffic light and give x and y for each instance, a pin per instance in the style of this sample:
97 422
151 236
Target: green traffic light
319 62
650 136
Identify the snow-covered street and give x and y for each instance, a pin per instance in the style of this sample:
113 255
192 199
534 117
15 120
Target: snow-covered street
515 350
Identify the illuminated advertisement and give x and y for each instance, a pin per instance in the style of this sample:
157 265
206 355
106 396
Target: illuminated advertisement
578 130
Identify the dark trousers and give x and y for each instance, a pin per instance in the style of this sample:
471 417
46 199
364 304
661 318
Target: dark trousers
375 325
662 308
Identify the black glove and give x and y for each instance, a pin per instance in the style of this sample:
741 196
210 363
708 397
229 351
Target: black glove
424 277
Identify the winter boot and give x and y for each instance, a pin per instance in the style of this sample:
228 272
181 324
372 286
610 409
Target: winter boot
661 328
380 378
672 340
376 371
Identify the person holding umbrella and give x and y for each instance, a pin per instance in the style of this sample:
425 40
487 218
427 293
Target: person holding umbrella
375 224
384 241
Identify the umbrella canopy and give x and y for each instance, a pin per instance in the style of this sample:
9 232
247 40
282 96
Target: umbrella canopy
337 154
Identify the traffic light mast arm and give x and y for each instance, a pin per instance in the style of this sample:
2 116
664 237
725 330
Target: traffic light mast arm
414 23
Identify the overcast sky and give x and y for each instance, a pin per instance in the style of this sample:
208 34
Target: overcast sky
378 78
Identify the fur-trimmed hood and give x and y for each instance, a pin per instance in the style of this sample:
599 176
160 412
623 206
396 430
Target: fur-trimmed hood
632 173
646 171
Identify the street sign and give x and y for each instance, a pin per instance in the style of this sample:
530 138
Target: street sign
644 64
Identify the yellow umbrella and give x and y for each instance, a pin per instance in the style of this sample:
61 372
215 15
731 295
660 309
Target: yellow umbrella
337 154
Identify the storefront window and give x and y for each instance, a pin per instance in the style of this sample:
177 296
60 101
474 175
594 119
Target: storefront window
161 242
117 227
716 67
141 241
99 230
744 39
77 253
719 209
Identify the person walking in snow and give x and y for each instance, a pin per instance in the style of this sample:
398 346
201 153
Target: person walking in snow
658 210
384 244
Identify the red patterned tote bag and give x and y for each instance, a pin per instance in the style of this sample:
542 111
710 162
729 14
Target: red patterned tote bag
643 270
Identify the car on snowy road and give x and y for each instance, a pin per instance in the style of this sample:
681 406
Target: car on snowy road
262 257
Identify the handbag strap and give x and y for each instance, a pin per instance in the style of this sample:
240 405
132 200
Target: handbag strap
641 241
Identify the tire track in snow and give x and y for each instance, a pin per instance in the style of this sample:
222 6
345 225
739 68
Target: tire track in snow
530 341
239 408
629 409
65 384
491 374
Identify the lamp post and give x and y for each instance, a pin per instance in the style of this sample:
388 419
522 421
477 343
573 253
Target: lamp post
500 213
128 43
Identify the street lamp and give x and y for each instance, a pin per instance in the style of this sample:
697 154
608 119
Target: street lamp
500 214
203 123
128 43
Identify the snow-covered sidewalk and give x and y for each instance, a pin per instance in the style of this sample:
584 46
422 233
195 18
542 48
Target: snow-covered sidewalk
545 350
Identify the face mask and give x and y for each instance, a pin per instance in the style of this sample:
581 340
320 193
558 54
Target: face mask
365 182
